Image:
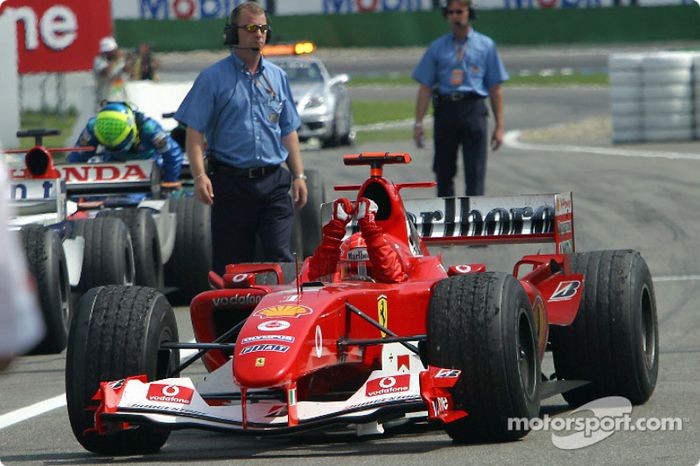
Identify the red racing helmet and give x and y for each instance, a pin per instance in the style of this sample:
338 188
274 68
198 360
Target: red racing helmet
354 263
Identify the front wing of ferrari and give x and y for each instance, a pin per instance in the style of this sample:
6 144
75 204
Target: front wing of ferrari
177 403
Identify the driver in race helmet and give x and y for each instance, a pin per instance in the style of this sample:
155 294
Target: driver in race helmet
354 262
367 255
125 134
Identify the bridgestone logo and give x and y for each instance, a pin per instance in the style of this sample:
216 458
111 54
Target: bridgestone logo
237 300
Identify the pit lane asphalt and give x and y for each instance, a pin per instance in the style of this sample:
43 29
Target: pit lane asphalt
645 203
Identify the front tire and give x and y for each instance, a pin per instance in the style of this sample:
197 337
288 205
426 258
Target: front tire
116 333
614 340
483 325
46 261
310 214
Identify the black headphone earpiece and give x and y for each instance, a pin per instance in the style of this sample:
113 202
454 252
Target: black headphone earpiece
472 12
231 31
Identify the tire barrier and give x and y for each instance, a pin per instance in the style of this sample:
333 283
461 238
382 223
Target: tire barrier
655 96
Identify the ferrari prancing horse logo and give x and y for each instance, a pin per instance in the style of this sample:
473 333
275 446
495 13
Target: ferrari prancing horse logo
383 311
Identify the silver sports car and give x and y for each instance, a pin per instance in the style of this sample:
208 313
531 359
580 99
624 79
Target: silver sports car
322 100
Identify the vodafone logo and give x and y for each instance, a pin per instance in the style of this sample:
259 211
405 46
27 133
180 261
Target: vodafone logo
388 385
170 394
57 26
274 325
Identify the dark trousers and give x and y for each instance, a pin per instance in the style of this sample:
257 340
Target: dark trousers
245 208
463 122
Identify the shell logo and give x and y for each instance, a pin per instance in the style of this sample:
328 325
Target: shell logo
282 311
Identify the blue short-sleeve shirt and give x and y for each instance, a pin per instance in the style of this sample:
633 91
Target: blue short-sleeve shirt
242 115
480 67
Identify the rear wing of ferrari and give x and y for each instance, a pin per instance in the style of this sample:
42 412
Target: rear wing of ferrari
535 218
529 218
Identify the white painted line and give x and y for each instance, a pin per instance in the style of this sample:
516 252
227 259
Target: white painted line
512 140
37 409
676 278
394 124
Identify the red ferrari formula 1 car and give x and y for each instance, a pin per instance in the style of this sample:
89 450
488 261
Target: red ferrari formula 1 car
460 345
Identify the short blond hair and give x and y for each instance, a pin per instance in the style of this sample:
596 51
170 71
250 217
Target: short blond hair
251 7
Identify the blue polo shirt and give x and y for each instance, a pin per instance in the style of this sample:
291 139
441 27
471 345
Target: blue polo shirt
481 66
243 116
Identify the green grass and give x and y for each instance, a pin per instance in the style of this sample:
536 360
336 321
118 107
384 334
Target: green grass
366 112
593 79
48 120
557 79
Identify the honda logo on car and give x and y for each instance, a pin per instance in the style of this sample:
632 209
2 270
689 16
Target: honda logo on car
170 393
95 173
282 311
387 385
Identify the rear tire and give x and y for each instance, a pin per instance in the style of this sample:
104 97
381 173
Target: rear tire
108 258
46 261
148 261
483 325
116 333
310 214
614 341
190 263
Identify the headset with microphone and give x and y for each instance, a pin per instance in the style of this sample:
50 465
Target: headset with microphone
470 7
231 31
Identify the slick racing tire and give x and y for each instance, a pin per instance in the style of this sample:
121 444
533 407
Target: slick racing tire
483 325
310 215
144 238
614 340
190 262
47 264
108 258
116 333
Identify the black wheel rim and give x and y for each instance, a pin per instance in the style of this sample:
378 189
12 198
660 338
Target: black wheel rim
64 286
648 330
527 354
130 267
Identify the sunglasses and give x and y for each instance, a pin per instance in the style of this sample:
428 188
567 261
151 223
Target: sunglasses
455 12
255 27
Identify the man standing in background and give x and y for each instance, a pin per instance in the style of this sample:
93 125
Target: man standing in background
111 69
459 70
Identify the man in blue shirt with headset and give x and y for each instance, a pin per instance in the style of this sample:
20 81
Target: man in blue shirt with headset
244 108
459 70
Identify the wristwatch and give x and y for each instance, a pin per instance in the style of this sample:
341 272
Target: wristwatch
300 176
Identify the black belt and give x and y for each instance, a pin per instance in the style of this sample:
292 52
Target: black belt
459 96
250 173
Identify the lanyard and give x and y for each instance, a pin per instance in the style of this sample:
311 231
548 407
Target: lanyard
459 52
271 92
